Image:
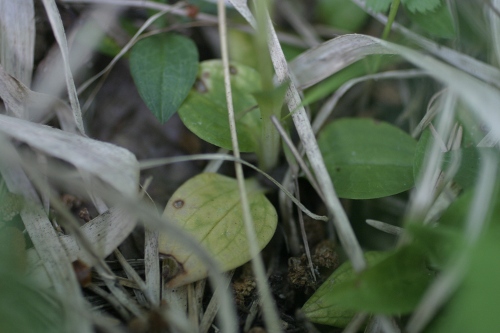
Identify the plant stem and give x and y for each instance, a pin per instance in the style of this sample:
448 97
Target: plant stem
387 29
269 147
269 310
390 19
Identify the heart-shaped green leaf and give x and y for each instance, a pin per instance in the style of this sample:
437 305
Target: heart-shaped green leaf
164 69
204 111
366 158
208 207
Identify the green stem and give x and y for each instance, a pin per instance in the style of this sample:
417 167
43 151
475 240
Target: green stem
269 147
387 29
390 19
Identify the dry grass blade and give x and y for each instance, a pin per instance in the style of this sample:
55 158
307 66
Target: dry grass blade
57 27
270 312
385 227
116 166
44 238
17 38
23 102
330 57
328 107
480 96
308 139
469 65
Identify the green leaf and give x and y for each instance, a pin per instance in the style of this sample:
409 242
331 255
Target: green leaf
24 305
320 311
469 158
470 163
366 158
474 307
204 111
164 69
379 5
421 5
439 242
438 22
392 285
208 207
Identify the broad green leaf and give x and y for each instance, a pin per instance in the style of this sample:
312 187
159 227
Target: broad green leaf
421 5
474 307
208 207
379 5
367 158
438 22
320 311
164 69
393 285
341 14
204 111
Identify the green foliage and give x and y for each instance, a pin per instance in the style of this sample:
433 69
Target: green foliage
437 22
474 307
341 14
379 5
319 310
23 307
421 5
164 69
392 285
366 158
469 160
412 5
208 207
204 111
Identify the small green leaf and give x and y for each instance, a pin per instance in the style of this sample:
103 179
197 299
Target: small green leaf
379 5
392 285
437 22
319 311
366 158
421 5
204 112
164 69
208 207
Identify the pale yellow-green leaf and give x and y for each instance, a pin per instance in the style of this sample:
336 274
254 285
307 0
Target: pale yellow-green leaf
208 207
